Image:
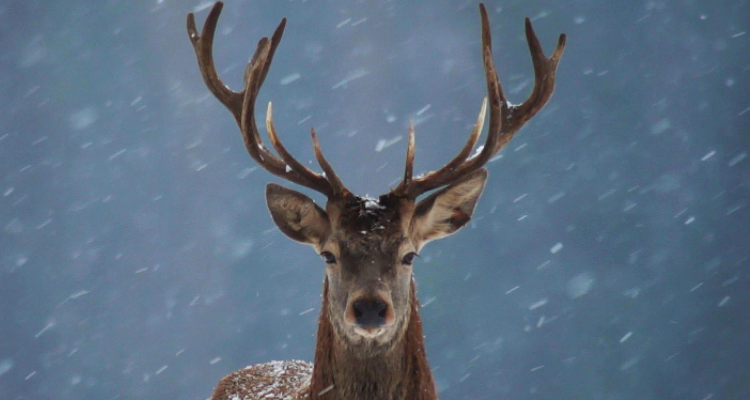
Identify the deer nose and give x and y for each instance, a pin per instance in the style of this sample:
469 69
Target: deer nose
370 313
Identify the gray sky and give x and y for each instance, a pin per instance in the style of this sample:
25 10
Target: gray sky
607 258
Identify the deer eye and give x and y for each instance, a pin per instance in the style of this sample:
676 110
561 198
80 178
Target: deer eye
328 257
409 258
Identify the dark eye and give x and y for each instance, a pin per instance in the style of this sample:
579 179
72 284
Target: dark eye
328 257
409 258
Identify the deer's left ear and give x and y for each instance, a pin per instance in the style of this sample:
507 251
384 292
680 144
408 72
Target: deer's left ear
448 210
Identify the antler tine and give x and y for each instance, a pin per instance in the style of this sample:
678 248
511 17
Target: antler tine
499 105
413 188
330 174
203 46
505 119
403 188
242 104
544 77
334 184
283 152
409 168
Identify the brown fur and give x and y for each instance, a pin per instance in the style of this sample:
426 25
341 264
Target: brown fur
369 238
403 373
275 380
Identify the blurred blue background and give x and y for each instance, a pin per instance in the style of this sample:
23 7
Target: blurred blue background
607 259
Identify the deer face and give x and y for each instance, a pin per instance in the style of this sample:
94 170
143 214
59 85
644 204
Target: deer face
368 247
368 288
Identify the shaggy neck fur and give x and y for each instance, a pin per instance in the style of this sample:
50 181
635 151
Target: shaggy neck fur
400 374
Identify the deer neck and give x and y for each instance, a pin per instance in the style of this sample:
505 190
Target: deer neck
402 373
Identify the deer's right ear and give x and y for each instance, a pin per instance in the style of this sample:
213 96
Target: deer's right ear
297 215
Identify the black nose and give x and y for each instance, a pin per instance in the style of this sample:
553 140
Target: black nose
370 313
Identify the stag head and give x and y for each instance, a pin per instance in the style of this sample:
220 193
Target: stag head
368 245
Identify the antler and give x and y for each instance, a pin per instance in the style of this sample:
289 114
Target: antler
505 118
242 106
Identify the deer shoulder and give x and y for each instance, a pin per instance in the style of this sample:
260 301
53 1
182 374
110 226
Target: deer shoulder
275 380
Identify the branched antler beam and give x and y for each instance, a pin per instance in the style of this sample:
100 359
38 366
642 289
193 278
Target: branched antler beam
242 106
505 118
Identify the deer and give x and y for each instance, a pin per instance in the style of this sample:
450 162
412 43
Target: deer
369 343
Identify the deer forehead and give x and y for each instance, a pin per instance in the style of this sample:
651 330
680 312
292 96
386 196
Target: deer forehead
369 223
